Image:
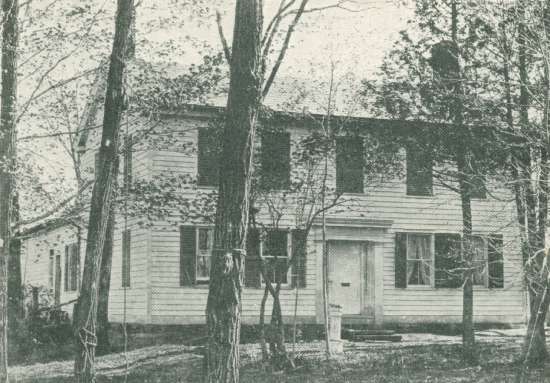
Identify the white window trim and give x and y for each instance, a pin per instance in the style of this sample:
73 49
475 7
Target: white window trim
288 254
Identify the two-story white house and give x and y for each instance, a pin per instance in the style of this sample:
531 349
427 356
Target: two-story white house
386 250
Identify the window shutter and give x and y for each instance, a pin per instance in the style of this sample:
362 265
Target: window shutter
496 261
207 158
188 254
447 260
97 165
67 268
74 267
275 160
419 172
126 243
128 147
400 260
252 262
299 255
349 165
78 275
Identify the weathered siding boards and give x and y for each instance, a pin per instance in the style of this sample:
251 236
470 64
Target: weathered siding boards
35 260
388 200
170 300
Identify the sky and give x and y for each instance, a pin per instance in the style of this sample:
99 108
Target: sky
355 41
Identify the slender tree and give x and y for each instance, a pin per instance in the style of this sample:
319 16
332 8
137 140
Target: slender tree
10 11
85 311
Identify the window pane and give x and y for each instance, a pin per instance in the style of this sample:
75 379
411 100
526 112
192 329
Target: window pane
204 239
419 172
203 267
479 261
349 165
274 251
419 264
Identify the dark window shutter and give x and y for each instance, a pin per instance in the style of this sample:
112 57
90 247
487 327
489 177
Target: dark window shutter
496 261
188 253
275 160
67 268
299 254
447 260
208 158
400 260
419 172
128 149
126 243
77 252
349 165
252 262
74 266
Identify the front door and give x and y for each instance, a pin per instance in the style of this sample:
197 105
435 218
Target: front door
345 275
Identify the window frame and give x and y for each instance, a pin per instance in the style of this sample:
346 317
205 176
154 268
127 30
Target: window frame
205 130
288 253
485 261
408 186
340 188
210 231
432 260
267 163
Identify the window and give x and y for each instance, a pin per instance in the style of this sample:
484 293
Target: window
128 147
72 267
208 157
126 257
479 260
204 253
274 250
419 260
419 173
349 165
275 160
196 244
414 261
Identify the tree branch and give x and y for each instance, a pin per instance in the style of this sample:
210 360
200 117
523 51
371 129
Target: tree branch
226 50
284 48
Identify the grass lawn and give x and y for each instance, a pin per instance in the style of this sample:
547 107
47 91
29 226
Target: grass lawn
361 362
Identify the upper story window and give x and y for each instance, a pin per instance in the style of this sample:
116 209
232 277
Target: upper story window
275 160
349 165
419 173
208 157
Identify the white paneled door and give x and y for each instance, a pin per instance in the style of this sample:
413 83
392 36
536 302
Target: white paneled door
345 275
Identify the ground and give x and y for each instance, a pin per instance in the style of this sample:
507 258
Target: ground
418 358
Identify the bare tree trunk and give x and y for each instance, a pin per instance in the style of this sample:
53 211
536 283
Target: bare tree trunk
263 345
103 343
85 311
10 34
223 310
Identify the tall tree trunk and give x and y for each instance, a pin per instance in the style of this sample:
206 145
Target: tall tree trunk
534 350
10 9
465 173
85 311
223 310
103 343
